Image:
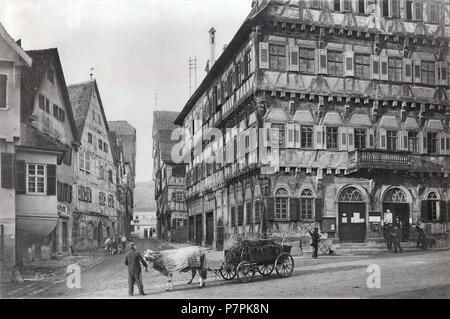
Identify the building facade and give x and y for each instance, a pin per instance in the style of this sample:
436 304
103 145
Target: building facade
169 180
95 217
125 139
143 225
13 60
326 113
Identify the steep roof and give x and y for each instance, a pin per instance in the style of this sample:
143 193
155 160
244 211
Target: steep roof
237 41
163 126
31 82
122 128
20 52
31 137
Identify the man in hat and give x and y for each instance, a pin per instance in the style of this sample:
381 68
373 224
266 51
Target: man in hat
315 238
133 261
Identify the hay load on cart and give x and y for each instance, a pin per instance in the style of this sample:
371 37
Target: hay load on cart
265 256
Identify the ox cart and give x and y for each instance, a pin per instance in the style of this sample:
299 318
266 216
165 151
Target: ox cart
250 256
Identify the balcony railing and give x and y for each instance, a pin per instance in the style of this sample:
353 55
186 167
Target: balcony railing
381 159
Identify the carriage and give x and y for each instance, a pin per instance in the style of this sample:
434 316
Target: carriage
250 256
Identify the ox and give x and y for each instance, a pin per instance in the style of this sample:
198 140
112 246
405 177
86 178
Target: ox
163 263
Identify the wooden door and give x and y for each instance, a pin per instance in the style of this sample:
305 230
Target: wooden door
199 230
352 222
209 229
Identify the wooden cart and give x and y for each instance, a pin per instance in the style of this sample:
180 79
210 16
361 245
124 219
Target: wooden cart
264 256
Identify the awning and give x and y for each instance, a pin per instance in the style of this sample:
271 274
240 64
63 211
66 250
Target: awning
36 225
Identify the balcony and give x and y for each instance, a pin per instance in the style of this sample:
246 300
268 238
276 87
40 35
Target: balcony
380 159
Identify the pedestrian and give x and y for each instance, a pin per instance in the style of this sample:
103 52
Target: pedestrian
396 236
315 238
422 241
387 234
133 260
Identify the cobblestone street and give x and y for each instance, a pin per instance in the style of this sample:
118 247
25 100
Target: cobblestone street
414 274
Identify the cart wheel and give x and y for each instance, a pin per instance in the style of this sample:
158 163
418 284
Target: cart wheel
228 272
284 265
245 271
266 270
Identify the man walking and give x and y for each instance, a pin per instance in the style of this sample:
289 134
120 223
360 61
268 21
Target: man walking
315 237
133 261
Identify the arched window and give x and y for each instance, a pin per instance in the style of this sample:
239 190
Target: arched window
351 194
307 204
395 195
432 207
233 216
281 203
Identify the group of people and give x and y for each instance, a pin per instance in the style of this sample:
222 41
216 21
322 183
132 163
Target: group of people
116 244
393 237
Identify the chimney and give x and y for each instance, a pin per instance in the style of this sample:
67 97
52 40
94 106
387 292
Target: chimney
19 42
212 43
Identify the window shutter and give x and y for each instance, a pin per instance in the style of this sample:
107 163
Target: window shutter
51 180
263 55
21 177
423 143
443 218
441 73
319 137
297 136
417 71
370 138
7 170
69 195
441 142
58 191
290 136
275 138
322 61
253 139
374 67
294 206
404 140
383 141
384 74
343 145
349 63
351 139
270 209
424 211
407 70
318 209
294 58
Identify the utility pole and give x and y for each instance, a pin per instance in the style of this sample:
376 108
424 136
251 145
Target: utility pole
192 67
92 73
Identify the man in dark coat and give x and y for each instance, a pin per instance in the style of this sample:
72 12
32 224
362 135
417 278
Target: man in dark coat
315 238
133 261
396 237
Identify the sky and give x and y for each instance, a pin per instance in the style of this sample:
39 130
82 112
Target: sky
138 48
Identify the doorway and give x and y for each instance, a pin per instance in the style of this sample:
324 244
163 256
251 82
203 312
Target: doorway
2 241
352 216
209 229
146 233
199 230
191 229
396 211
64 237
100 234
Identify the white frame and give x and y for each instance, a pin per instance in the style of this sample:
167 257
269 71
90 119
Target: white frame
44 193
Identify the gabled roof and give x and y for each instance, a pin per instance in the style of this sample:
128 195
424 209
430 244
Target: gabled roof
80 95
122 128
163 126
23 55
31 82
33 138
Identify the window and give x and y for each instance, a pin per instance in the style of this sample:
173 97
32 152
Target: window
55 111
42 102
100 144
94 117
105 147
81 161
67 155
281 134
316 4
47 106
62 115
335 63
88 163
281 204
362 66
395 8
179 196
337 5
3 91
360 139
306 205
433 12
248 63
428 72
89 138
392 140
51 75
102 199
332 138
432 209
413 142
257 211
306 136
36 179
395 69
233 216
240 215
111 201
361 6
248 213
307 60
432 144
277 57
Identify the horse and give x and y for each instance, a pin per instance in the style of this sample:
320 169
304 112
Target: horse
157 263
